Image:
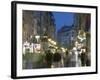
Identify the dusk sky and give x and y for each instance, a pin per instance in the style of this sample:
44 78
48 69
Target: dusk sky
63 18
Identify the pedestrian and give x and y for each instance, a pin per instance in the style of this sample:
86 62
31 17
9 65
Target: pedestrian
83 58
73 59
67 59
57 60
48 58
88 60
78 57
62 58
28 60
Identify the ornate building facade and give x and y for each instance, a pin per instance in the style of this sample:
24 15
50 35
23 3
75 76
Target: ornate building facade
38 23
82 22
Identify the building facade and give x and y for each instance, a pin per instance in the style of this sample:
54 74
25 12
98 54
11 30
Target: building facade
82 22
66 36
38 23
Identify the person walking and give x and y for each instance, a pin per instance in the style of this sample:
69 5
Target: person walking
48 58
88 60
57 60
83 58
74 57
73 60
67 59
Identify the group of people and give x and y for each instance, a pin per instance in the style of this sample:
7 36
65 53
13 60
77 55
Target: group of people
72 58
78 58
69 58
53 59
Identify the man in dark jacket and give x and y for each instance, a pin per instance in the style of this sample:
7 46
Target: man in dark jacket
48 58
57 59
83 58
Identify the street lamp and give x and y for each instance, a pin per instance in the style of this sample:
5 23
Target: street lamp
63 49
37 37
52 42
